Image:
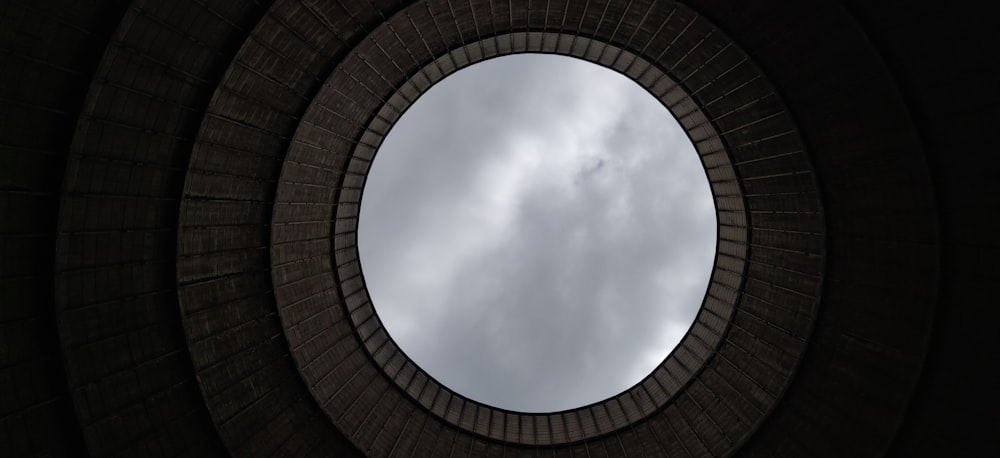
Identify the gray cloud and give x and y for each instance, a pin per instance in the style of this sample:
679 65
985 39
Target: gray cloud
537 232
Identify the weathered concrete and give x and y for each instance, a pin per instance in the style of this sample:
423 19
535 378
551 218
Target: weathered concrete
181 180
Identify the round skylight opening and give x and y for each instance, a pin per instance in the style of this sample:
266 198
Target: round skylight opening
537 232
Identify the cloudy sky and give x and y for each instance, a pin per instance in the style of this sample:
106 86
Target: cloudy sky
537 232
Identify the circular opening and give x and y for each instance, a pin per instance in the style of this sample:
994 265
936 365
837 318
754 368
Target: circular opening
537 232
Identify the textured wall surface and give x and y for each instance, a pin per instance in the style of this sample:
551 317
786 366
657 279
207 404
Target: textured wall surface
180 184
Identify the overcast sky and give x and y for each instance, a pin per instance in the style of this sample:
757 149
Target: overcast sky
537 232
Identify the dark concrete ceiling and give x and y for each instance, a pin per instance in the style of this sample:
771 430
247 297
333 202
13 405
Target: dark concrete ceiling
181 181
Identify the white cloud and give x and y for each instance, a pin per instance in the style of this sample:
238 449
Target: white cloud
537 232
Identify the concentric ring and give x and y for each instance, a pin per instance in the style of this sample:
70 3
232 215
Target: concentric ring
203 282
731 114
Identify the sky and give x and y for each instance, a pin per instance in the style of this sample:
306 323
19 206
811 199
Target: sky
537 232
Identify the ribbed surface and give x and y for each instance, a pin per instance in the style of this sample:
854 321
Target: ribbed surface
116 228
326 301
180 181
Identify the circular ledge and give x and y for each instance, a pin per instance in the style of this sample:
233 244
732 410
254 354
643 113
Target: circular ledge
756 316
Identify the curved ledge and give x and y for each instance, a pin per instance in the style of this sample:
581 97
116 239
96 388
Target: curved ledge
732 115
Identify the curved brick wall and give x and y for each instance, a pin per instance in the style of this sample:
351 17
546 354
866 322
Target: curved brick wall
180 184
720 98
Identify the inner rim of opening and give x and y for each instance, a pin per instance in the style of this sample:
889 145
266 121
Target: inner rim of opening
537 233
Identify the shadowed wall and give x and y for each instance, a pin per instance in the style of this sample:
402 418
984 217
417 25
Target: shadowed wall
181 182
